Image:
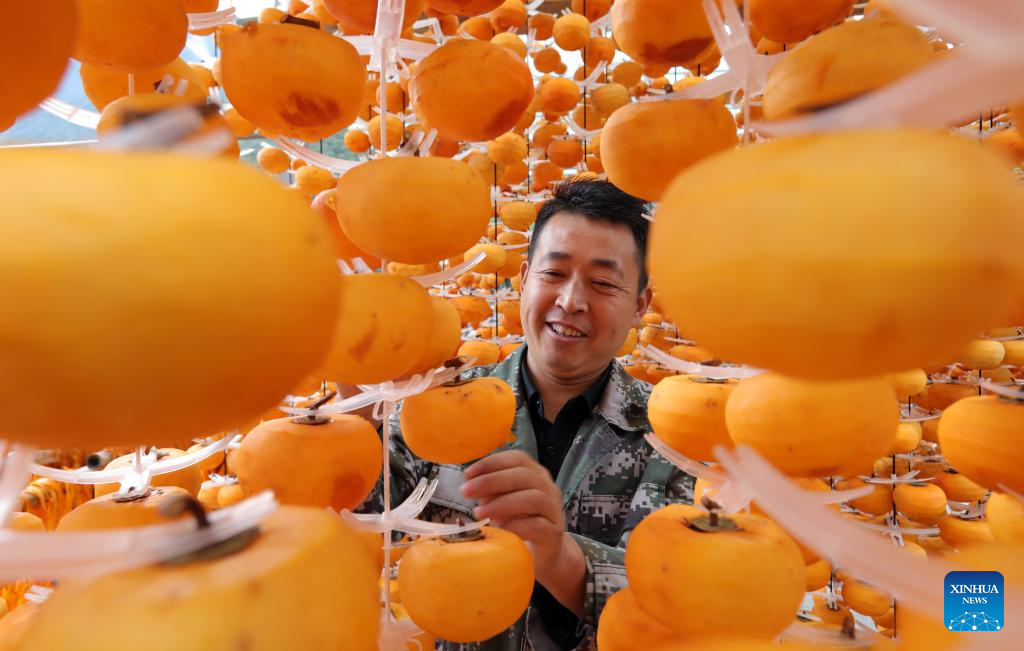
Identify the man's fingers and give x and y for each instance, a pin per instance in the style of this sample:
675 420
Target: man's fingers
499 461
521 504
530 529
508 480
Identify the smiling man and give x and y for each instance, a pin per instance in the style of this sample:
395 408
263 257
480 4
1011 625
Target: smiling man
579 476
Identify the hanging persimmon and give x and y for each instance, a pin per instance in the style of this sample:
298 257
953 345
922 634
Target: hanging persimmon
697 598
468 587
323 461
459 421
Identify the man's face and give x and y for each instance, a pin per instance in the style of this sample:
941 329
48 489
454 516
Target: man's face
579 295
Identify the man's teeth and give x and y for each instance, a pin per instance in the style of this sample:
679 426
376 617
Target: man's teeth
565 331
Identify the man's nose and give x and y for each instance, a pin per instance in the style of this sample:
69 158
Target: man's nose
572 297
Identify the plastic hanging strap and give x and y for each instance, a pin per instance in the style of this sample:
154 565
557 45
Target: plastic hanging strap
115 476
1003 391
336 165
159 131
15 468
992 26
693 368
376 393
52 555
206 20
72 114
428 280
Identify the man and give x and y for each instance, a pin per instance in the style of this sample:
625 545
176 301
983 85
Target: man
579 476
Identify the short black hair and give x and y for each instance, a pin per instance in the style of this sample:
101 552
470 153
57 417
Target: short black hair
598 200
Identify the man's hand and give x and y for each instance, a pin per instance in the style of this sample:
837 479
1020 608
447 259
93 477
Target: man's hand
518 495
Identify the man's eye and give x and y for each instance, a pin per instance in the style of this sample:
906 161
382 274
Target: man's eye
551 274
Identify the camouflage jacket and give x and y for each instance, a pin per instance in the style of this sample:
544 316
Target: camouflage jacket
611 478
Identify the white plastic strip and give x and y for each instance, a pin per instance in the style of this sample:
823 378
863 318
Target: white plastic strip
993 26
428 280
14 475
159 131
1002 390
77 116
115 476
206 20
693 368
336 165
49 555
373 394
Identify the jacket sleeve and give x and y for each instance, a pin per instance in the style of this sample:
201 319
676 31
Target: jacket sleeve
661 484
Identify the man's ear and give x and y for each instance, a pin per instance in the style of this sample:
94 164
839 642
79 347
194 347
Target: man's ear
524 269
643 301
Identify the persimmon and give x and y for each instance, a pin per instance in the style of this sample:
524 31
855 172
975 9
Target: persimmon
877 502
380 329
494 260
196 286
484 352
445 335
360 16
865 599
818 575
908 437
959 488
102 86
645 145
310 84
627 73
442 210
459 421
688 413
245 596
919 501
323 204
571 31
470 90
813 429
358 142
959 532
905 187
791 21
734 552
983 354
144 35
662 32
107 511
118 113
394 132
436 574
908 383
980 437
843 63
21 521
464 7
471 309
188 478
1005 515
625 626
517 215
326 461
36 42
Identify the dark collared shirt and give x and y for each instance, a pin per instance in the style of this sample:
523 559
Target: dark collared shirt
554 439
553 442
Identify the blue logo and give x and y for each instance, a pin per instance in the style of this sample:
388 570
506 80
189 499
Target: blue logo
974 601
